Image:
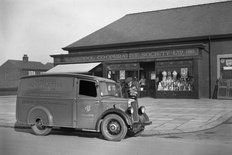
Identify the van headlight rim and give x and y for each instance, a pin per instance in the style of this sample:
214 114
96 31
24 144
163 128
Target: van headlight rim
142 110
130 110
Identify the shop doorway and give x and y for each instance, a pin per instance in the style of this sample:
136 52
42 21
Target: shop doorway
124 73
148 73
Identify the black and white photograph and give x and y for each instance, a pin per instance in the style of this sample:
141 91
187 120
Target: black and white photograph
118 77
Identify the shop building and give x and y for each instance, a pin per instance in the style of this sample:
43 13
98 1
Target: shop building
181 52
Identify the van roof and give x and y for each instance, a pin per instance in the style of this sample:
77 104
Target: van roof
90 77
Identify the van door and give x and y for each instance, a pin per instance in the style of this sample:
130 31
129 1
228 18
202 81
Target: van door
88 104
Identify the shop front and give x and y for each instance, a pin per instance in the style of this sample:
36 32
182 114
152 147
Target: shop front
159 79
170 73
160 74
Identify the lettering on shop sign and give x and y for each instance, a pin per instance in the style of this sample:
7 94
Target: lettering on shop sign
97 58
162 54
129 66
131 56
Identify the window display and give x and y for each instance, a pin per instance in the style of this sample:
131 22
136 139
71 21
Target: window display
174 81
175 76
170 82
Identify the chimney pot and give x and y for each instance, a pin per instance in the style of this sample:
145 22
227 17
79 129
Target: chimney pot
25 58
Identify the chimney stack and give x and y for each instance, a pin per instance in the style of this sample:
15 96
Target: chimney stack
25 58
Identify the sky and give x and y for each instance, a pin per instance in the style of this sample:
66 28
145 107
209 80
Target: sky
40 28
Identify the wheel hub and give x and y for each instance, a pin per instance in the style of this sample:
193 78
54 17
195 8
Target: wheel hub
114 127
40 125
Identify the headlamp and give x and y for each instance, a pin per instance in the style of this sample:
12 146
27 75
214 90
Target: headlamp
142 110
130 110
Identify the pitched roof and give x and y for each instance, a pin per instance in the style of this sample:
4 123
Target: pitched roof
49 65
193 21
30 65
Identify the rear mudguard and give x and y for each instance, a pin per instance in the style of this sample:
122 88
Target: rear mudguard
42 113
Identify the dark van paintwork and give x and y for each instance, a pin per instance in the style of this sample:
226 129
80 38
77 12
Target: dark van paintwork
80 102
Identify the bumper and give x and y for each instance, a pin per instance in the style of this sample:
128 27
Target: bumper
146 123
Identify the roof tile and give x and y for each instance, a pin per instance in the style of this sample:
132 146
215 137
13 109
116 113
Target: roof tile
193 21
30 65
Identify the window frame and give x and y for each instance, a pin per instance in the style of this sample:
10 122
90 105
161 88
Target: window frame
86 95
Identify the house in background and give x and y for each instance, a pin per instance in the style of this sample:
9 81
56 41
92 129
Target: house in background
12 70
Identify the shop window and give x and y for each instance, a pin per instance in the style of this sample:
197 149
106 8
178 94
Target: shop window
175 76
225 81
122 75
31 72
226 68
114 75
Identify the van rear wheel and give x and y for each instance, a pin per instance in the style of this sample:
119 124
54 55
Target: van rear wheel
40 129
113 128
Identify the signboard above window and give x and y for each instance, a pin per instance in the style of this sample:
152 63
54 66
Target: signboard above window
126 66
131 55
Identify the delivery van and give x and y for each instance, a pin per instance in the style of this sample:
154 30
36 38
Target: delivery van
77 101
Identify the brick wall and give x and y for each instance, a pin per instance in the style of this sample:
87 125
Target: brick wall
9 76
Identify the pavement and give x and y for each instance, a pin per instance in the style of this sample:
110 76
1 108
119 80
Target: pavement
168 116
171 116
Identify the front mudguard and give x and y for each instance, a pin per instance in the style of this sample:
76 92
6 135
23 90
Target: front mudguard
138 128
144 119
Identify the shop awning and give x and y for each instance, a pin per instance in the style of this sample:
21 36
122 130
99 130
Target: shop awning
74 68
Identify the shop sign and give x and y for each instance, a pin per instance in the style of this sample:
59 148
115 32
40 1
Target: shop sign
130 56
184 72
122 74
98 58
226 63
153 76
129 66
163 54
229 62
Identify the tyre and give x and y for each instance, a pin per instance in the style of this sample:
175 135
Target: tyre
113 128
39 129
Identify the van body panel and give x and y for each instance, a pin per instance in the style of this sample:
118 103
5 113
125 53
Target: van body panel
88 110
55 94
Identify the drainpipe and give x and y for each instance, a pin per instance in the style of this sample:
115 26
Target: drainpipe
209 44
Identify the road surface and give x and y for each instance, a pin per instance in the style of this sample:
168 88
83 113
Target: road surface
23 142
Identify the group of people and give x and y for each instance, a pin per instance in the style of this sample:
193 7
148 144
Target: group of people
132 86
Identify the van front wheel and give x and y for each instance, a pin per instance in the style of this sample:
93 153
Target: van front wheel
39 129
113 127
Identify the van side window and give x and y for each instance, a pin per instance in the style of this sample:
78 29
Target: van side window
88 88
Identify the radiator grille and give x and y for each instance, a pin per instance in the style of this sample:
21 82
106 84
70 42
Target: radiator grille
135 116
